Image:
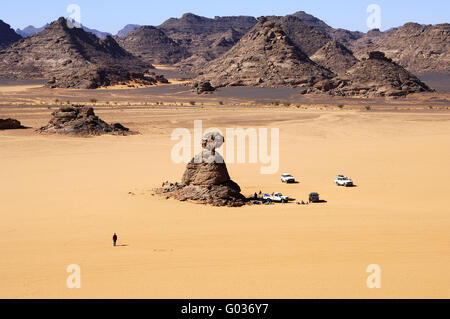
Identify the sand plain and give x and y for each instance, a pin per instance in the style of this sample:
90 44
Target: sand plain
62 198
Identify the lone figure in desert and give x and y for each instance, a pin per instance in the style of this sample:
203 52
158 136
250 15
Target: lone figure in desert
115 239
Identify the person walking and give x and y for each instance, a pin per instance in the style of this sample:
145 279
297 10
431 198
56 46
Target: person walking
115 239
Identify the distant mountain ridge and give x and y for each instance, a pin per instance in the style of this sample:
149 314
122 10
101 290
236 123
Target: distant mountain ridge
31 30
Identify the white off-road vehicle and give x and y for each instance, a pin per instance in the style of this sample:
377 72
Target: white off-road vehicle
342 180
287 178
276 198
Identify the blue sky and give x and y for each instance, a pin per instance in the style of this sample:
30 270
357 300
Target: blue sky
111 15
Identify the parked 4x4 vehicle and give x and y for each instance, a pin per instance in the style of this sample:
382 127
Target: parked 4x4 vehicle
342 180
287 178
276 197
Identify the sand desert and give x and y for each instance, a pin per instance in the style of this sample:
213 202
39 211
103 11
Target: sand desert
63 197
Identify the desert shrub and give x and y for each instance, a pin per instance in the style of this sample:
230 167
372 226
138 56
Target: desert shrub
341 106
287 104
220 102
192 103
93 100
368 108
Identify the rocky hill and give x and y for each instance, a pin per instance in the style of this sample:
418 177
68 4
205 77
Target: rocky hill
152 45
7 35
420 49
204 38
335 57
265 57
60 51
375 75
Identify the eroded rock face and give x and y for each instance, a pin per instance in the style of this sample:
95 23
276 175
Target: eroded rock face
10 124
206 179
335 57
374 76
81 120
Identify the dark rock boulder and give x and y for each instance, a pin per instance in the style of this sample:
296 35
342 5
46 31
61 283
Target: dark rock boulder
81 120
10 124
204 87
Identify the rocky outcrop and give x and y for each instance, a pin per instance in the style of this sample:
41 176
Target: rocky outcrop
98 76
7 35
60 50
418 48
206 179
335 57
10 124
81 120
203 87
153 46
264 57
374 76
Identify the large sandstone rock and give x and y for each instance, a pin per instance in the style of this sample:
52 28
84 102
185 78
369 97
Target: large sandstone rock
264 57
81 120
206 179
10 124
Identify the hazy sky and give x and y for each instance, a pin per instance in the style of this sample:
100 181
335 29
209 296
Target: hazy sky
111 15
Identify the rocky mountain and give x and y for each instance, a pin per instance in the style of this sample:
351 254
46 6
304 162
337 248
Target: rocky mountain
7 35
60 52
31 30
153 46
375 75
205 38
335 57
265 57
127 29
420 49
